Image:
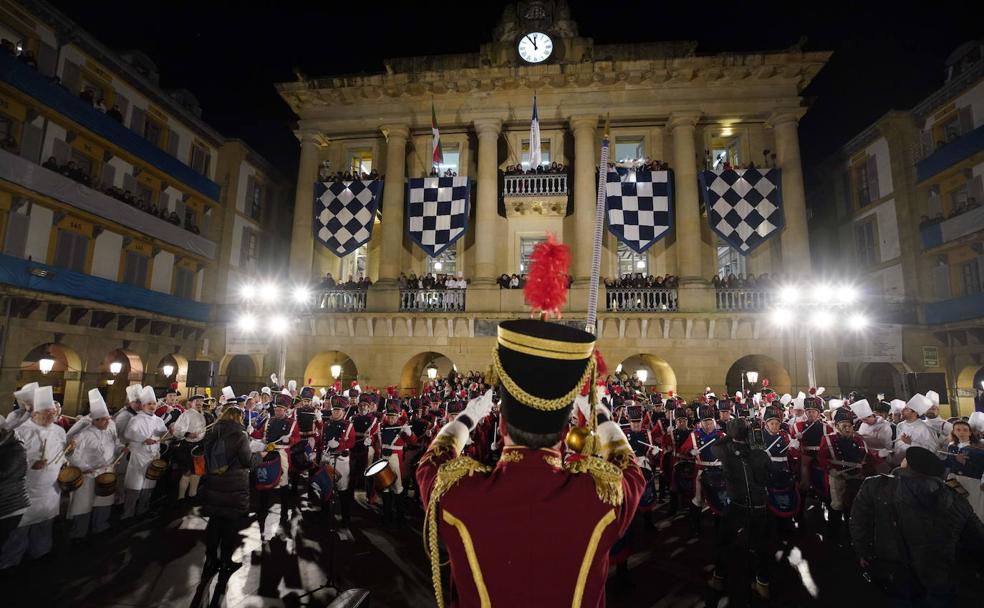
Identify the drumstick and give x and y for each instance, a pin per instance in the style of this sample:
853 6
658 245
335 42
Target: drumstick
118 458
650 445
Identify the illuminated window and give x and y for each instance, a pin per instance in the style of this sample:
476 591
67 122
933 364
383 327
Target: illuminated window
452 156
361 161
445 263
729 261
630 262
726 152
628 150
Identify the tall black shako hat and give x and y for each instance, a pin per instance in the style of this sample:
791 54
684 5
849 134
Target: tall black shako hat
541 366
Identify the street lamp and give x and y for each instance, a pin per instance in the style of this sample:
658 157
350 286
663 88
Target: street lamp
336 371
115 368
753 376
643 375
46 364
432 372
168 369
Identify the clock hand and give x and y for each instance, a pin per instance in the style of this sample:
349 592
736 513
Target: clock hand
533 42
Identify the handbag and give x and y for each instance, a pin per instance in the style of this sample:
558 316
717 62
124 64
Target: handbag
896 578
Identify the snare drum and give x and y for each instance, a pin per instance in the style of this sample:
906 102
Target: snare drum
382 474
106 484
155 469
70 478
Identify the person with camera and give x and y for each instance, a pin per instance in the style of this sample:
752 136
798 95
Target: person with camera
906 529
744 522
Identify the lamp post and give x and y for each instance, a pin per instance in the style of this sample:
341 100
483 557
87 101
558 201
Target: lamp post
432 372
46 364
168 369
114 368
643 375
336 371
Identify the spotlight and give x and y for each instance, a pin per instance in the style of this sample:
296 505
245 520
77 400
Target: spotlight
247 323
279 325
268 292
788 294
782 317
822 319
857 322
642 375
247 292
302 295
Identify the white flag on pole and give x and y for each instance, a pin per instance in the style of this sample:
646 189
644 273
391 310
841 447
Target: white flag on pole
535 158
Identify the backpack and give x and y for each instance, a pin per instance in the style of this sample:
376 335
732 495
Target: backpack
216 462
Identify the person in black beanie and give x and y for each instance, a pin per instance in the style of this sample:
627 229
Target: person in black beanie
906 528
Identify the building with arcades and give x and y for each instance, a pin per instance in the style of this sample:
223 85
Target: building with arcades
662 101
124 217
904 202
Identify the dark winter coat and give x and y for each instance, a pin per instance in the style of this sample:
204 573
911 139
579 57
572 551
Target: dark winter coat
746 472
226 494
934 518
13 474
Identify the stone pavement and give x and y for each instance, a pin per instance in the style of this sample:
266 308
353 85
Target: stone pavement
158 563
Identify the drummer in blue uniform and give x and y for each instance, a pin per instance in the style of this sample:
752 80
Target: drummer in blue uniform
783 491
646 451
707 486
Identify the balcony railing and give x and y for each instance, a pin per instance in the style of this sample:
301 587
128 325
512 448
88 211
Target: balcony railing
946 156
432 300
744 299
341 300
536 184
968 222
34 177
640 300
955 309
35 84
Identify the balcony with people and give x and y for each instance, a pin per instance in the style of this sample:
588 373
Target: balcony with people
964 219
432 292
546 180
342 296
639 293
740 292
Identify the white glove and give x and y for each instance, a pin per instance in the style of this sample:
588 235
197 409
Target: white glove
694 451
332 443
255 445
367 442
478 408
583 405
794 444
884 453
406 429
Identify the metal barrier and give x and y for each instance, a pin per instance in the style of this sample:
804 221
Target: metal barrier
640 300
432 300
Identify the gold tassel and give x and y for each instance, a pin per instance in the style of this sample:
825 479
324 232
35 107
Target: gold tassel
449 474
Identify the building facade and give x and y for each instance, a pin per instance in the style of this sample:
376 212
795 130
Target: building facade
907 196
658 100
124 216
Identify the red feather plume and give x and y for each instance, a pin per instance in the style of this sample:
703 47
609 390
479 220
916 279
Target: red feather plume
546 282
600 365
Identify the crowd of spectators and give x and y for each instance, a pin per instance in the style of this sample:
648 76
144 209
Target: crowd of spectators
741 281
545 169
958 209
361 284
518 281
447 173
89 96
348 176
464 386
640 281
647 164
431 281
73 171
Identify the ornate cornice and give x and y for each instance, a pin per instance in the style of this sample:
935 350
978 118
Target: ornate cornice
539 206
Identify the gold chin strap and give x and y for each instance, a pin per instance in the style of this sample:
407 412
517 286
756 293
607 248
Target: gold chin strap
539 403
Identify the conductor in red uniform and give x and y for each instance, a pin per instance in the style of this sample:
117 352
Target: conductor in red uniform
533 530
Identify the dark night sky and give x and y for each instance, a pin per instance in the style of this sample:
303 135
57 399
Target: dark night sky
886 55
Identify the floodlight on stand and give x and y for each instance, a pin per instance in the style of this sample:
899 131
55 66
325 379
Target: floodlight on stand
857 322
642 375
115 367
246 292
46 364
247 323
432 372
268 292
336 371
847 294
279 325
782 317
168 369
752 376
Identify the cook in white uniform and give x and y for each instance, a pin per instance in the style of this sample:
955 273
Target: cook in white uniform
143 436
95 449
913 431
24 398
44 443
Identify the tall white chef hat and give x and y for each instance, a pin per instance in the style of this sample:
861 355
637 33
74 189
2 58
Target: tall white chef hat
25 395
786 399
919 403
933 397
976 421
44 399
97 405
897 406
861 408
834 404
228 393
147 395
133 393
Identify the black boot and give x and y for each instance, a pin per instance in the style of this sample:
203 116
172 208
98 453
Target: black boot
693 519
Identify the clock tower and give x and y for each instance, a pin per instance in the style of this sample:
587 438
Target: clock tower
536 32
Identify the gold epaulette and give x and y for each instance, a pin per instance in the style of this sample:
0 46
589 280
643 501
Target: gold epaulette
448 475
956 487
607 477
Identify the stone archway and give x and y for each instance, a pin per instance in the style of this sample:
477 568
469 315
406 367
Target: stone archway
660 376
767 367
318 371
114 386
414 374
970 390
881 378
241 374
65 375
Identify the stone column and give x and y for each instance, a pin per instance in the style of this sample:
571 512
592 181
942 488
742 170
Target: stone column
302 234
486 214
795 243
585 193
688 233
391 248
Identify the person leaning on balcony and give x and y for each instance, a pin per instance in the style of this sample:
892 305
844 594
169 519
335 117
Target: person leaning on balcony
503 281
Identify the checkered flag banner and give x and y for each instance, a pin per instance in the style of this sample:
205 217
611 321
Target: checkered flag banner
744 206
344 213
437 211
639 206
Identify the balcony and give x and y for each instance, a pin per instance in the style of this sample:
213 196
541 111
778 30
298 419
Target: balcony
554 184
744 299
42 277
950 154
967 223
955 309
31 82
340 300
34 177
432 300
640 300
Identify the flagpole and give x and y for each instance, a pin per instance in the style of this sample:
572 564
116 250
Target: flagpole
592 320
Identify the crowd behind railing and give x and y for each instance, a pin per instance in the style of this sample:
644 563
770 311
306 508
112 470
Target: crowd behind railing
431 281
959 209
329 282
545 169
647 164
348 176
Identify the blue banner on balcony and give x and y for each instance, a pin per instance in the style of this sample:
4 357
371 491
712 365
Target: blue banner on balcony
437 211
344 213
744 206
639 206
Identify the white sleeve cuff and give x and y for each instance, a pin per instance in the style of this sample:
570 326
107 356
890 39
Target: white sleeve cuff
458 431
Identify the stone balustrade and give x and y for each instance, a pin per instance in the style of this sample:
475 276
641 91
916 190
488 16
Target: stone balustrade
640 300
536 184
745 299
432 300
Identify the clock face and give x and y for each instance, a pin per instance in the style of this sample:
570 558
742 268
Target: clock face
535 47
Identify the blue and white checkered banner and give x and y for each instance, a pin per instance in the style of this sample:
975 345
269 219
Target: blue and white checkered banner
744 206
437 211
640 206
344 213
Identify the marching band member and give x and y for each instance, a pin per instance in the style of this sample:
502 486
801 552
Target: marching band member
188 430
698 444
674 455
339 441
807 435
392 441
24 400
646 451
131 409
781 489
44 442
95 449
913 431
143 436
276 435
842 456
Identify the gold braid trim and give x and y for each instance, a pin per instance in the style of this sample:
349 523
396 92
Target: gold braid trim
511 456
622 457
607 477
539 403
448 474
